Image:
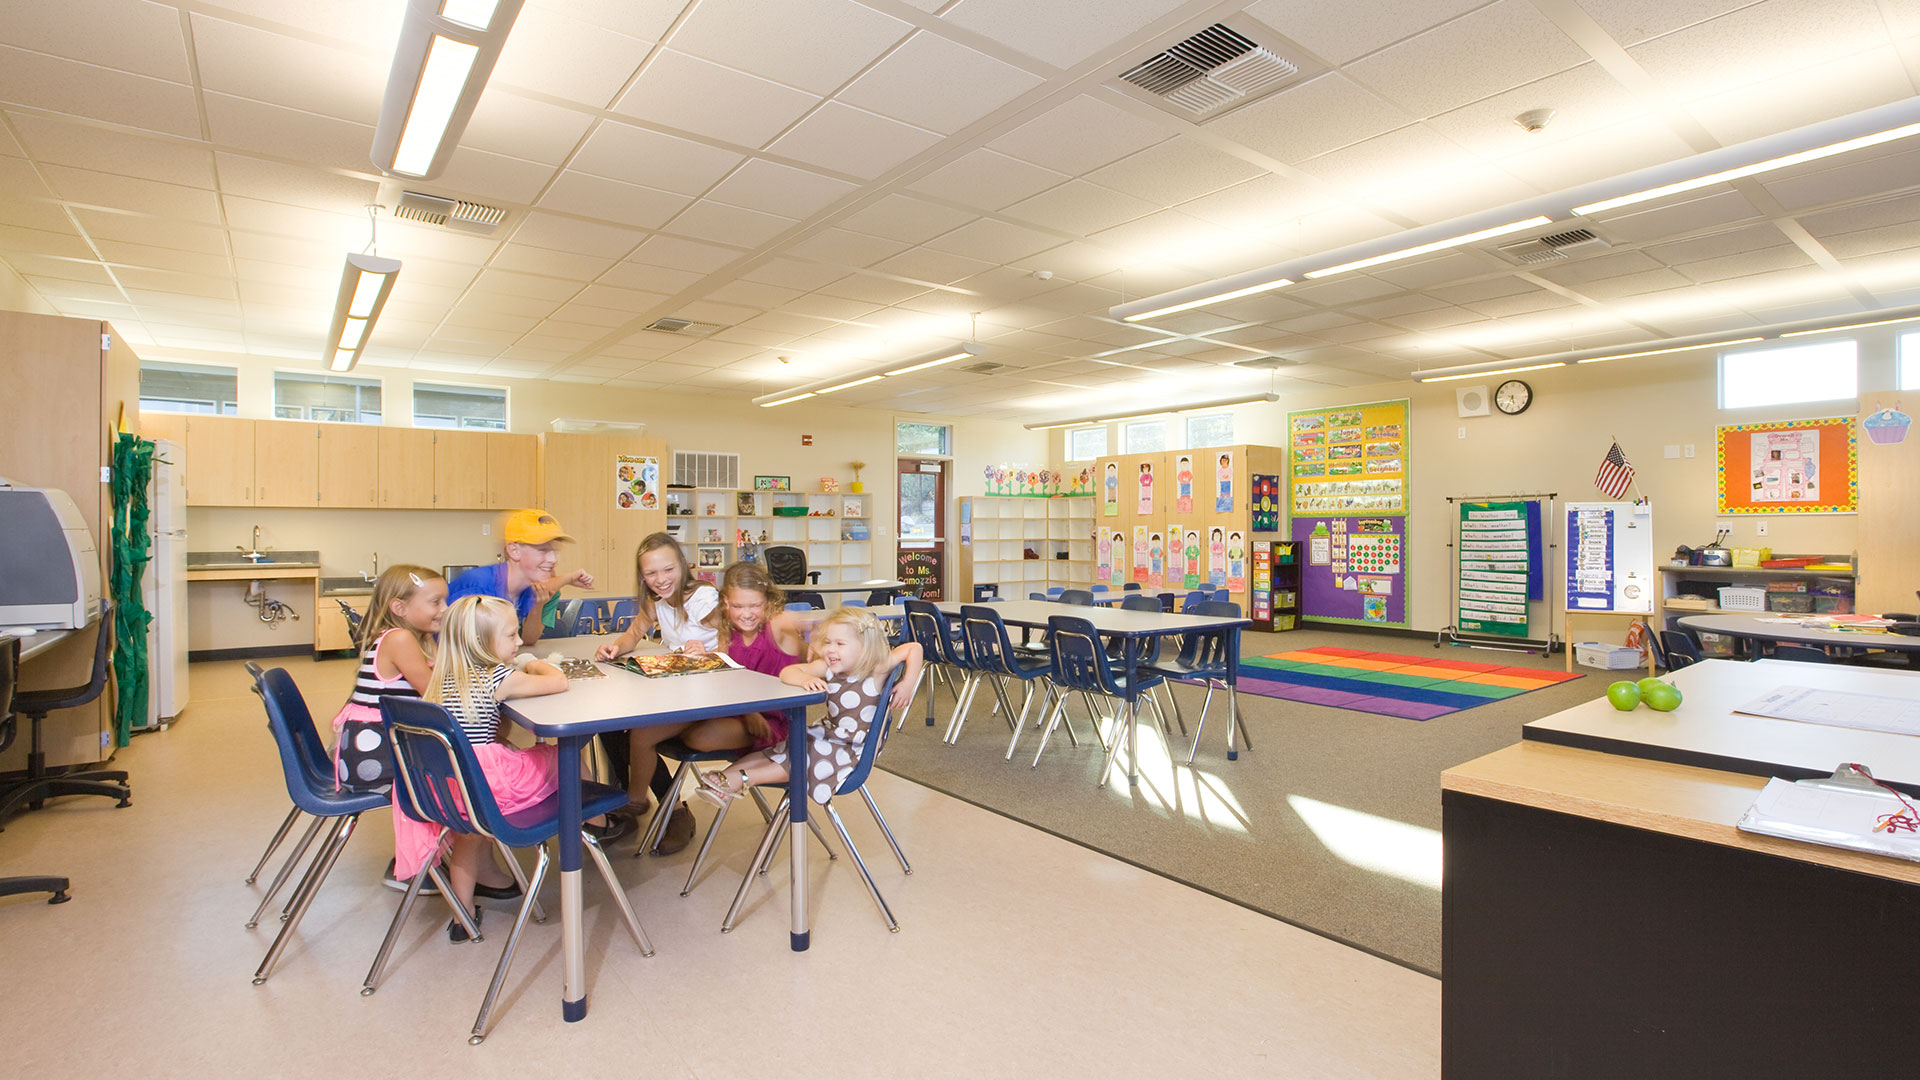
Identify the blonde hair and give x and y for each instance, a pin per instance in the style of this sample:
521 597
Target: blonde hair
466 655
396 585
752 577
874 647
683 589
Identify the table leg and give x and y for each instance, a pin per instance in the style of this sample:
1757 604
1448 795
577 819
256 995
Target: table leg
573 966
1131 647
800 933
1233 696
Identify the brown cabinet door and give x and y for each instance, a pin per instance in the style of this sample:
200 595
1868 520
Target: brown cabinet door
223 448
631 524
577 474
460 470
349 465
286 463
406 468
510 471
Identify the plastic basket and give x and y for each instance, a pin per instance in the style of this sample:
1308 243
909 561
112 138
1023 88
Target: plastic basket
1742 598
1594 654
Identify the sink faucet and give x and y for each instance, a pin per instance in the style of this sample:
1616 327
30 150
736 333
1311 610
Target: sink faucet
364 576
256 555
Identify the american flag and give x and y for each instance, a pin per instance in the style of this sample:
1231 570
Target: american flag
1616 473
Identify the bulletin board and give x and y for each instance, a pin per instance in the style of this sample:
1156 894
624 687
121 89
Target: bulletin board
1789 467
1352 569
1349 460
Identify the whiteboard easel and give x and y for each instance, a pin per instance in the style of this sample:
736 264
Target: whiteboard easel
1610 569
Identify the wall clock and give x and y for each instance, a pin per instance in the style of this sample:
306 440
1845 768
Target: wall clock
1513 397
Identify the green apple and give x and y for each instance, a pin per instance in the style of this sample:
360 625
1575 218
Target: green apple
1625 696
1663 698
1647 684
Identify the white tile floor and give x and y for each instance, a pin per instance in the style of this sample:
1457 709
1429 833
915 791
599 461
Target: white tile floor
1019 954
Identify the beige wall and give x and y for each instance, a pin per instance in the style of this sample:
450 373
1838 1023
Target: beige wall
17 295
1556 445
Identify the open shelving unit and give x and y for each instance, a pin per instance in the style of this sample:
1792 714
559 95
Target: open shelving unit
719 526
1024 544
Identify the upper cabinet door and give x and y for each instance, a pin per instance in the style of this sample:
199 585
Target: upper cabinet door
221 450
460 470
406 468
349 465
286 463
510 470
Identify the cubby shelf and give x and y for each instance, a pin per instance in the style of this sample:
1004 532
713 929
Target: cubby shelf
835 532
1024 545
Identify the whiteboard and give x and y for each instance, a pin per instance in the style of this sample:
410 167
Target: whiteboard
1610 557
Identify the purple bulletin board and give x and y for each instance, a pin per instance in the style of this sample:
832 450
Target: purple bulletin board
1321 596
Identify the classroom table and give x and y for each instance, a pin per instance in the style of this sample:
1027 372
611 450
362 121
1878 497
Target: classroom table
887 585
624 700
1757 627
1602 916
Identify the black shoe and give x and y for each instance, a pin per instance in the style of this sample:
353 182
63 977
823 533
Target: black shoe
457 933
617 828
426 887
503 892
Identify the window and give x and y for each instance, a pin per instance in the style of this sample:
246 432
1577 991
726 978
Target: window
344 399
189 388
923 439
1910 361
1143 438
1785 376
1087 443
1213 429
480 408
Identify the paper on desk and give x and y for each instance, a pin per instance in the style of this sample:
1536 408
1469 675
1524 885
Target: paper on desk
1835 708
1818 812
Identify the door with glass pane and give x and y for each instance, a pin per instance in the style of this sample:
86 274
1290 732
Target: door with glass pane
923 518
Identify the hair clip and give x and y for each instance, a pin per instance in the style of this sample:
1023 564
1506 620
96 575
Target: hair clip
415 578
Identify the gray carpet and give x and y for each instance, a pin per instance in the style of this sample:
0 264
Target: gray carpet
1229 827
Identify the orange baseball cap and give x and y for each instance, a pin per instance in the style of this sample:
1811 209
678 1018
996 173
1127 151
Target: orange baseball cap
531 527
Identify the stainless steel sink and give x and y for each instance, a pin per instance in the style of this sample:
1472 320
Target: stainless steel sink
345 586
233 560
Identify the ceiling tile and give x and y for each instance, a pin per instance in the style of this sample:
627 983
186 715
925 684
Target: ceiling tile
938 84
1850 176
58 142
572 235
1312 118
989 180
508 124
121 253
690 94
133 195
248 62
1606 152
611 200
1175 171
871 289
34 267
1584 99
485 177
252 215
1080 134
754 294
1338 33
239 123
550 53
297 185
660 279
1495 48
791 274
711 220
1060 34
1758 43
812 44
1812 94
844 248
822 306
155 231
680 254
1630 22
852 141
558 264
995 241
780 189
1690 214
638 156
1080 208
64 86
141 38
926 264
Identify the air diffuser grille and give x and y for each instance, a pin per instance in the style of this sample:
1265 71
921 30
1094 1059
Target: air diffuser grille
686 327
1210 71
456 214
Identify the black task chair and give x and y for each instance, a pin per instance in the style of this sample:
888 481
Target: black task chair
787 565
39 785
1681 649
15 886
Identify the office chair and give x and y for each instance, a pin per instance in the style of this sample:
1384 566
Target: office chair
787 565
15 886
354 621
40 785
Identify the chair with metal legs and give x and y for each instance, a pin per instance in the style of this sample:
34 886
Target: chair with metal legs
38 883
1080 662
439 781
944 650
1203 659
335 811
41 784
856 781
993 653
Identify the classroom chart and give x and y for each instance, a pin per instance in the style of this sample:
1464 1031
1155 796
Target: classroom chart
1789 467
1349 484
1495 564
1610 557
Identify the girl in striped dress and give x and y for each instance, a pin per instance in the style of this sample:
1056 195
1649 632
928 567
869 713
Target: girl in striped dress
396 636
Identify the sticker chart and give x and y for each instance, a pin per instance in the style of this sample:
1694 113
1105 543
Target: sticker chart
1373 554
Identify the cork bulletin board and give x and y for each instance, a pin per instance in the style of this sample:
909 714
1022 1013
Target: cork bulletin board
1789 467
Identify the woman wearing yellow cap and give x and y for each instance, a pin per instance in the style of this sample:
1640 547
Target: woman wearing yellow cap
526 578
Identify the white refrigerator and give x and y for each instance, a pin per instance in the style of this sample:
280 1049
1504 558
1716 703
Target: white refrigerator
165 588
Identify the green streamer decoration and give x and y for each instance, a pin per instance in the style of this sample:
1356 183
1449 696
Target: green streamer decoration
132 550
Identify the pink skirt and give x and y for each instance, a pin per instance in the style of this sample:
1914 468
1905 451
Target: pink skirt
518 778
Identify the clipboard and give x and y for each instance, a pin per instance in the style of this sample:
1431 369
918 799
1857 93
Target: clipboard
1840 811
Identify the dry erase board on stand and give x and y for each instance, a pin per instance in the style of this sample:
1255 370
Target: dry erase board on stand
1610 557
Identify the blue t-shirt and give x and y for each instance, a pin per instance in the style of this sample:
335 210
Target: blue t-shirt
490 580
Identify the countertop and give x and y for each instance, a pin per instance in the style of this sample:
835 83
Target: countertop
231 560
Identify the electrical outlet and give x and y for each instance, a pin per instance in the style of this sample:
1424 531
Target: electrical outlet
1760 528
1672 450
106 739
1688 449
1463 433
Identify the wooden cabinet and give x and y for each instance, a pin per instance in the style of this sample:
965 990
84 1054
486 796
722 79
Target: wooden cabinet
169 426
330 623
349 466
460 470
576 473
221 451
286 463
631 525
406 468
510 471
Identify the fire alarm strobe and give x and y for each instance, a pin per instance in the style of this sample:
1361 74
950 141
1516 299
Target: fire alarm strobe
806 440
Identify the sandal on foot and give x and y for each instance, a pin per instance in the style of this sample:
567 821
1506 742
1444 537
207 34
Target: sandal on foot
714 789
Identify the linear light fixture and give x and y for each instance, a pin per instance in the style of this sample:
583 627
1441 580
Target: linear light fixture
1849 326
1491 374
946 354
1663 352
1158 410
1437 245
1216 298
365 284
446 51
1753 169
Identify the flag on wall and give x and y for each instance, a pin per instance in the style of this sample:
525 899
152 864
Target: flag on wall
1616 473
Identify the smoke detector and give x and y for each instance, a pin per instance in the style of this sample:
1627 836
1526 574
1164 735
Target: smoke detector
1534 119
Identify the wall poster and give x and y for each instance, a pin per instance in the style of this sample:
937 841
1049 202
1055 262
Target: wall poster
1223 497
1349 487
1140 554
1789 467
1156 560
1176 555
1266 503
1216 558
1192 544
1103 557
1146 488
1236 561
636 484
1352 459
1183 484
1119 541
1111 487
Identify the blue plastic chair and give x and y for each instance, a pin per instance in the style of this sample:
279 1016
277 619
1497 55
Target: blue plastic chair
623 613
854 601
308 771
856 781
1098 587
1682 649
1054 591
439 781
1075 597
1080 662
1805 654
994 655
1197 596
798 605
1129 586
1203 659
322 769
944 646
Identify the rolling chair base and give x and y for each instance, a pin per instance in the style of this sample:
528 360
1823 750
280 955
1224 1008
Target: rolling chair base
39 787
15 886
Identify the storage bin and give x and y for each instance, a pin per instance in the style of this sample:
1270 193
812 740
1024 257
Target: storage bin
1832 605
1283 622
789 511
1794 603
1595 654
1715 644
1742 598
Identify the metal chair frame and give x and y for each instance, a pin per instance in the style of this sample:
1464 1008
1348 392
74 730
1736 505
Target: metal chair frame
993 653
1080 662
1202 659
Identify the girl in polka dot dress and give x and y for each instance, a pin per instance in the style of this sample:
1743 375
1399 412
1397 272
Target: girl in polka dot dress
850 663
403 615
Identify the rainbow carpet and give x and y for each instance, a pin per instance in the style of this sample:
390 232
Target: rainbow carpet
1414 687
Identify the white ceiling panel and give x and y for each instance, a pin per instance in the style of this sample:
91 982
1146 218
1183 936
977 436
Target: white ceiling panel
248 62
755 294
643 19
813 44
520 127
938 84
155 231
1175 171
873 289
672 251
38 267
780 189
556 264
1851 176
1689 213
118 192
610 200
843 248
1498 47
1843 85
1758 43
1610 151
689 94
729 224
550 53
988 180
639 156
143 38
926 264
288 134
86 146
1583 99
852 141
573 235
345 231
1060 34
64 86
296 185
1312 118
994 241
1630 22
660 279
485 177
1080 134
1338 33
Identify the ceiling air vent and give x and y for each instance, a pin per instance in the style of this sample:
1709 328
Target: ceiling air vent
984 367
456 214
1217 68
687 327
1554 247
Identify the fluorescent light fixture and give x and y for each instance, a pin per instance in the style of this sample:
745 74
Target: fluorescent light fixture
946 354
365 283
1157 410
1754 169
1492 374
1849 326
1265 286
1663 352
441 63
1437 245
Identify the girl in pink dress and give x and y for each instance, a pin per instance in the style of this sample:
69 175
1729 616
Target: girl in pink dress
756 631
